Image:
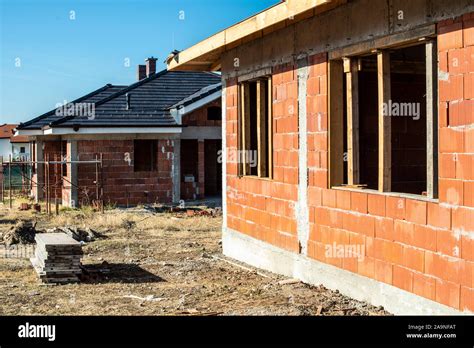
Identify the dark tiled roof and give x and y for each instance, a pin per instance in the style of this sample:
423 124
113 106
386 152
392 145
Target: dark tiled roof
149 101
93 97
202 93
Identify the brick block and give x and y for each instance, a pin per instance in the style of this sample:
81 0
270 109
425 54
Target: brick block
463 219
384 228
457 63
447 165
465 167
402 278
363 224
424 286
448 243
343 199
468 32
359 202
467 299
452 88
313 86
467 273
416 211
443 114
395 207
448 293
439 215
404 231
376 205
443 267
329 198
383 271
469 86
451 140
424 237
467 247
469 140
461 112
468 193
450 36
414 258
388 251
366 267
451 191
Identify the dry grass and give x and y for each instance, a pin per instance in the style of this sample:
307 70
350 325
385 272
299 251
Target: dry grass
160 264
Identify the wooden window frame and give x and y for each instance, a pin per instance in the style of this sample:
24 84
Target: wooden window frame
347 67
264 127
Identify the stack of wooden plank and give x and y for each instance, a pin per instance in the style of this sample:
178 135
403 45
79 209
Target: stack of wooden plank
57 258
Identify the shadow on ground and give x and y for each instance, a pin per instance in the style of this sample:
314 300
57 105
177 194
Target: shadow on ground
117 273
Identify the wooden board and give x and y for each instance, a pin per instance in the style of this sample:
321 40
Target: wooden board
352 95
432 119
385 122
261 128
336 126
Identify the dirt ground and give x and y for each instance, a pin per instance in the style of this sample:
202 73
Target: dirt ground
158 264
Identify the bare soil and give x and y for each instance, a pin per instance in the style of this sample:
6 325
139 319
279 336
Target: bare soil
158 264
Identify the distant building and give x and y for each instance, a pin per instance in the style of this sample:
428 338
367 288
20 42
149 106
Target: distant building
16 146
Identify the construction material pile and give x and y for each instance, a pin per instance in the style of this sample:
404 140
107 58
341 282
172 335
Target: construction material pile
57 258
22 233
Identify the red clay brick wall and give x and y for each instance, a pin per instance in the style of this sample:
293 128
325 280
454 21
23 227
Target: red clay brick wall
422 247
426 248
199 117
123 186
263 208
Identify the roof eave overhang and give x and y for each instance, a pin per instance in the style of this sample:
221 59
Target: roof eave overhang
205 56
113 130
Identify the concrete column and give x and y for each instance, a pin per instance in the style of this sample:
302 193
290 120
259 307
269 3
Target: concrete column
224 155
72 173
301 209
201 168
176 170
38 178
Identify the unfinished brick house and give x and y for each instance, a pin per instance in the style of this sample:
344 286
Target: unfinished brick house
157 141
361 114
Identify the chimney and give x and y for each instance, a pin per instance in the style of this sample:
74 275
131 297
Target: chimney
141 72
150 66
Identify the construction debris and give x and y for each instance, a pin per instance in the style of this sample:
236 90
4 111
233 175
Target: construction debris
57 258
25 206
22 233
81 235
289 281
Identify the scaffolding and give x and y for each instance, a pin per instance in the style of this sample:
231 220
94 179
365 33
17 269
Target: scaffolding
53 183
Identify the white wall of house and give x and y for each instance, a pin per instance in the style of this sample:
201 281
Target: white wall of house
17 150
20 150
5 148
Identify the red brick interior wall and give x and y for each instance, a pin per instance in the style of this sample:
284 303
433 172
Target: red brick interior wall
420 246
52 151
123 186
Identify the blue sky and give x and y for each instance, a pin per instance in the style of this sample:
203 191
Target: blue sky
49 54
